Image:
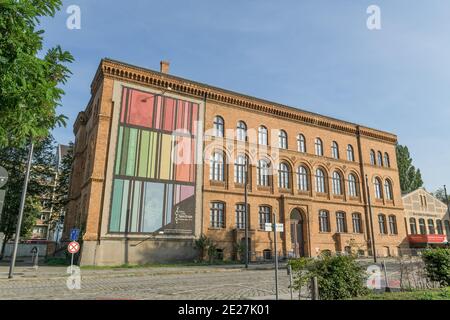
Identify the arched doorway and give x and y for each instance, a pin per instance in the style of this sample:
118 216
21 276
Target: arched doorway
298 233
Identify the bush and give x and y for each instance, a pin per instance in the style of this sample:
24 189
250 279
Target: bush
339 277
437 265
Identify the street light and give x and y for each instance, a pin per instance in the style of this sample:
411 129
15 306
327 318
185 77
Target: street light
372 237
246 212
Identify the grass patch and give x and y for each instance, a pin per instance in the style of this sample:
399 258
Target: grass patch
56 262
432 294
161 265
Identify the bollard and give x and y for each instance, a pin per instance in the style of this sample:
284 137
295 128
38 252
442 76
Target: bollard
35 257
315 289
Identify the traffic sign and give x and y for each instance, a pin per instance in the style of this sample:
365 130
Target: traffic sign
73 247
74 234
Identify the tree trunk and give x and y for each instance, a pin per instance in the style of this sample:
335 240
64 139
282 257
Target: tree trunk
2 250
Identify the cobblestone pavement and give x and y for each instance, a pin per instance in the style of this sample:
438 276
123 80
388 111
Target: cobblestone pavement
149 284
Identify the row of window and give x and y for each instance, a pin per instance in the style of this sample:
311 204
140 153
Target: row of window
432 228
217 173
263 139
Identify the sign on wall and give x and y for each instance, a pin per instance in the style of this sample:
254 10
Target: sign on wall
155 172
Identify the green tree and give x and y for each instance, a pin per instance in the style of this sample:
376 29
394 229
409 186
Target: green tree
40 185
29 92
410 177
440 194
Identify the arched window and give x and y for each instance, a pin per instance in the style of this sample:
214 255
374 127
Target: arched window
341 223
422 226
380 159
263 172
217 215
337 183
319 147
388 190
352 186
324 221
283 176
262 136
350 153
372 158
239 169
447 228
439 228
378 191
216 169
264 216
219 126
412 226
335 150
240 216
382 223
357 223
320 181
301 143
241 131
393 225
282 140
431 229
302 178
387 161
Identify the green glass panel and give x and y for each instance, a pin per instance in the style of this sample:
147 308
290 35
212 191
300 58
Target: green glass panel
131 161
143 154
116 206
119 150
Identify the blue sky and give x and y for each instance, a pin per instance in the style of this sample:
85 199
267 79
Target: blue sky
315 55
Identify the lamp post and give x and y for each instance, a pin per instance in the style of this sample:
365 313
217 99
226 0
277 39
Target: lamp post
372 236
20 217
246 212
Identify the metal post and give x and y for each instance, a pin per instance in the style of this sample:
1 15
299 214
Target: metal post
246 213
386 280
290 281
276 253
20 217
315 288
372 237
446 198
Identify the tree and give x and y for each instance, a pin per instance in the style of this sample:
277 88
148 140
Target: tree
29 92
40 185
410 177
440 194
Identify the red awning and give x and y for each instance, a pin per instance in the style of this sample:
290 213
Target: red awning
427 238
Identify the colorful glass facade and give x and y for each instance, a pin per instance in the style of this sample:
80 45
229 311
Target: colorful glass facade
154 174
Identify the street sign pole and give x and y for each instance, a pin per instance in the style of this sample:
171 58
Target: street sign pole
276 253
246 213
22 206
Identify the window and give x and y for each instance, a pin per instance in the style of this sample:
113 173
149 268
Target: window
216 170
282 140
218 126
350 153
267 254
263 173
378 192
320 181
319 147
240 216
241 131
337 185
439 228
431 226
356 219
324 223
335 150
423 201
422 227
388 190
387 161
262 136
302 175
393 225
412 226
341 223
380 159
382 223
264 216
217 215
283 176
239 169
352 187
372 157
447 228
301 143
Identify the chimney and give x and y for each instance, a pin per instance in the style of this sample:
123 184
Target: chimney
165 66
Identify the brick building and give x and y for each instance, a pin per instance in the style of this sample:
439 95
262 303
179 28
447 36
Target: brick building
160 160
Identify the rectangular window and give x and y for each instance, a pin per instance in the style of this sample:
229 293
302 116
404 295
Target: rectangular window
341 223
324 223
217 218
240 216
357 223
264 217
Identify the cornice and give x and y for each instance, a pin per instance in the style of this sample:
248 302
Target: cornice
121 71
